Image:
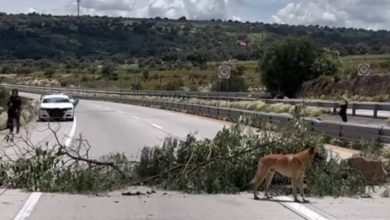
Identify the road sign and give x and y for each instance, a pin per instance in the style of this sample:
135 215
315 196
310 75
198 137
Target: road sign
224 72
364 69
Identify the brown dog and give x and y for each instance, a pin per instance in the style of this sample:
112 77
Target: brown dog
290 165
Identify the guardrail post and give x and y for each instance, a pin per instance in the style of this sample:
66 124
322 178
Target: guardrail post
353 109
380 131
375 111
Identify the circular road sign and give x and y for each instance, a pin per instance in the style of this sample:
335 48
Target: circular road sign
224 72
364 69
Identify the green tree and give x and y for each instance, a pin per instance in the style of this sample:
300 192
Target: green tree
287 64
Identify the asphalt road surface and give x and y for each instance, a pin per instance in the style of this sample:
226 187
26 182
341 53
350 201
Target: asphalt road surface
111 127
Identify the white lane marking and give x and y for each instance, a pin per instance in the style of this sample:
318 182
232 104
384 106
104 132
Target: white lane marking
71 134
135 117
120 112
28 207
157 126
300 209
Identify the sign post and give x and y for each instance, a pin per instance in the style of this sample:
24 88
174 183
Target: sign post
224 73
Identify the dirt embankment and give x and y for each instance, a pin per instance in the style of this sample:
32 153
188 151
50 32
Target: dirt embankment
368 86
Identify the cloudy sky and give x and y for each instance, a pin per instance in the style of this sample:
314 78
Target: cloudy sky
370 14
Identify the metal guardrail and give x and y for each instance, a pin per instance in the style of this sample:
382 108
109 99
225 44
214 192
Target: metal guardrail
374 106
345 131
232 96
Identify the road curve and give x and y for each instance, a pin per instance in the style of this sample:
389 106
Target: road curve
122 128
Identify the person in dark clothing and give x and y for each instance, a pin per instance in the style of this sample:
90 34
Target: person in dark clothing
343 108
14 108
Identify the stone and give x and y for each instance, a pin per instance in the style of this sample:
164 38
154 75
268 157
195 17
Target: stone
372 169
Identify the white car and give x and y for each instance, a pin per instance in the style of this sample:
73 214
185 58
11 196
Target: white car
56 106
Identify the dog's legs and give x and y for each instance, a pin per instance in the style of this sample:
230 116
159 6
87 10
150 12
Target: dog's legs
294 181
301 190
261 173
268 183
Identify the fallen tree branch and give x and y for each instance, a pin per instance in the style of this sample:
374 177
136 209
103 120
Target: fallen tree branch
62 150
157 175
220 158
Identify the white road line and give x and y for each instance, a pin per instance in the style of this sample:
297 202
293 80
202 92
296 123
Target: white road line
300 209
135 117
28 207
71 134
157 126
120 112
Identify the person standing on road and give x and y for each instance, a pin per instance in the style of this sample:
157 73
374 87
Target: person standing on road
14 108
343 107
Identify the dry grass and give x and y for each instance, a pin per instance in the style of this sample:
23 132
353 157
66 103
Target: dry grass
259 106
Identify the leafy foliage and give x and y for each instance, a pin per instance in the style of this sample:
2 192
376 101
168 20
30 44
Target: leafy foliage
227 163
47 171
286 65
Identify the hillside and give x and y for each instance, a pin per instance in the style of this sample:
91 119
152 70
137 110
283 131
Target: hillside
36 36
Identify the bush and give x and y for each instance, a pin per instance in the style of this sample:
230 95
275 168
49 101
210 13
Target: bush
137 85
24 70
49 73
173 84
287 64
235 84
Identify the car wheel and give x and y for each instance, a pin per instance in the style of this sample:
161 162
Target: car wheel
72 119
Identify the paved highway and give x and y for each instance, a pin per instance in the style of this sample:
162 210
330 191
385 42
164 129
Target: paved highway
112 127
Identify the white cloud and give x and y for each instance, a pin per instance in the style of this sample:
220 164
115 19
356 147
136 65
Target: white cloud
372 14
235 18
192 9
31 10
117 5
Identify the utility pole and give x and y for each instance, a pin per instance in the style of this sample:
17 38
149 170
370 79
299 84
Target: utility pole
78 8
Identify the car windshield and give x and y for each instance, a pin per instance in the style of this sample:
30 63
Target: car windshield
56 100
